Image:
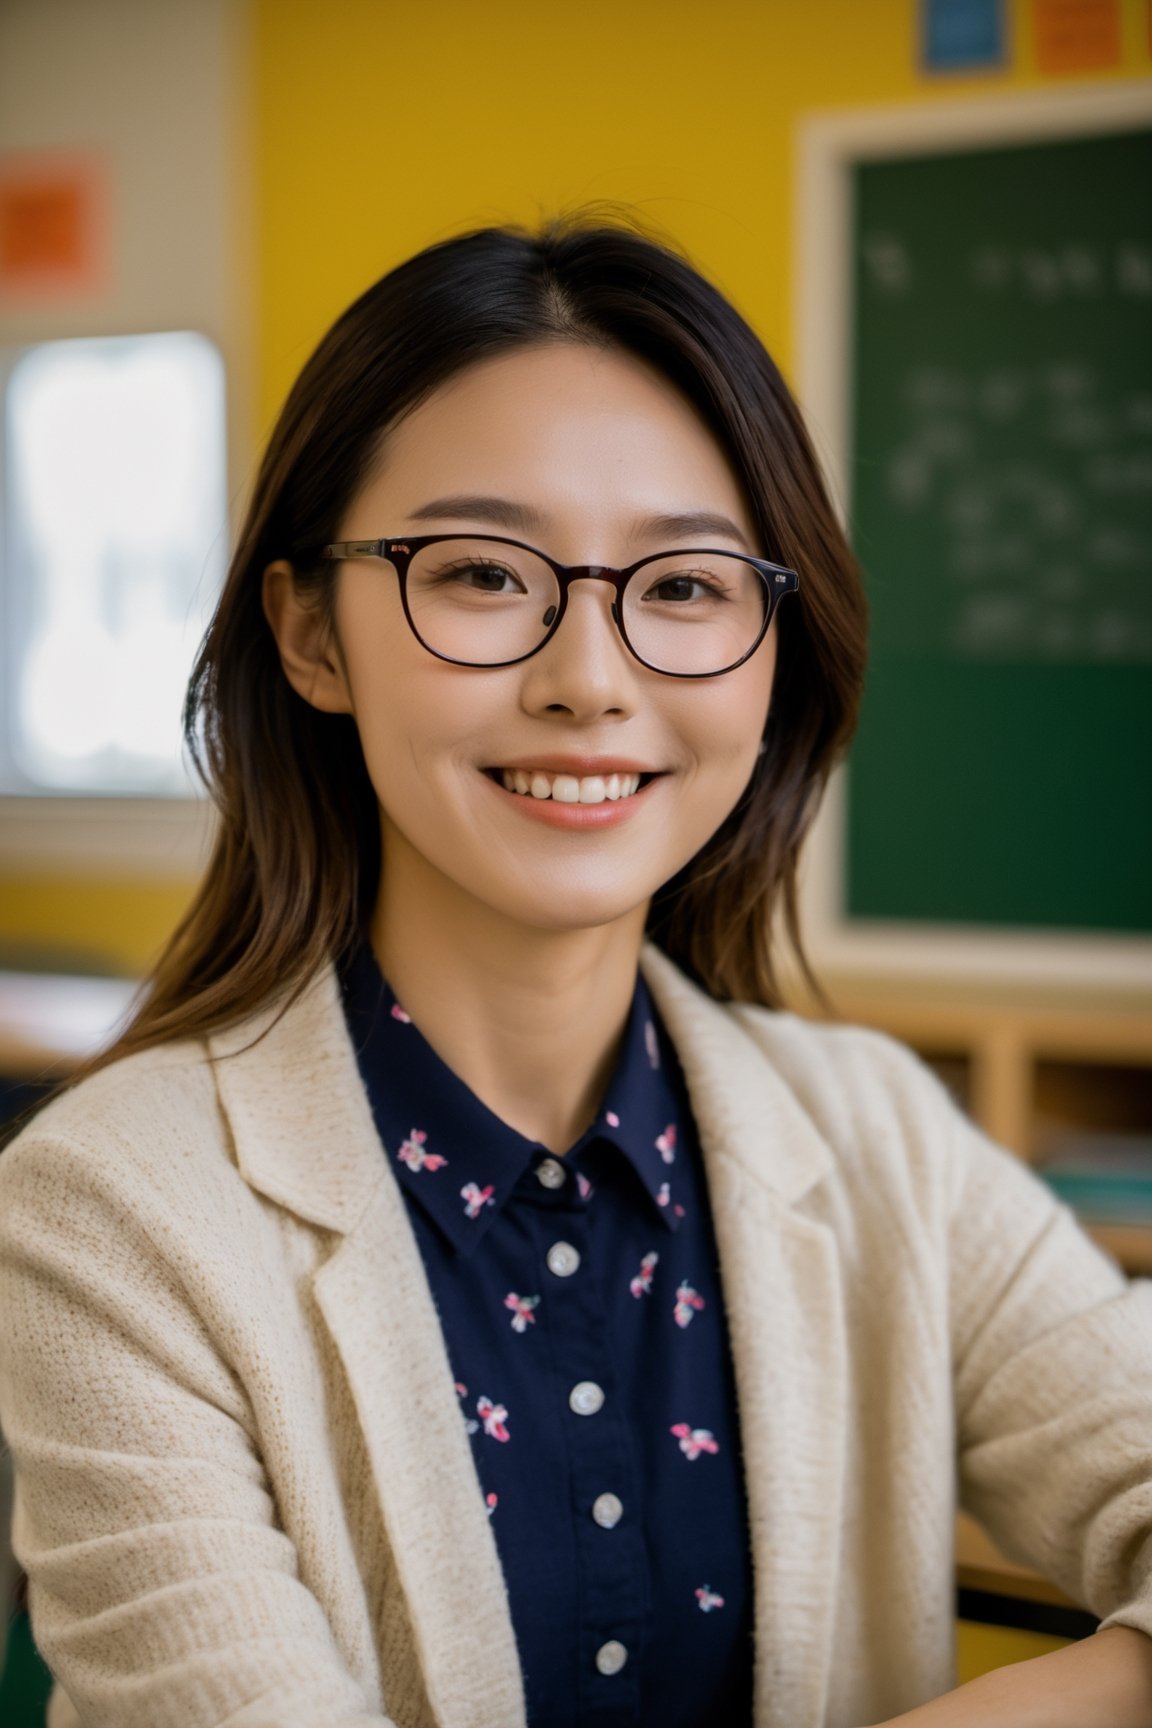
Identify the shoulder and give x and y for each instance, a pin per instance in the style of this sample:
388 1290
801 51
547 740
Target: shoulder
842 1076
844 1073
134 1090
892 1137
899 1141
131 1137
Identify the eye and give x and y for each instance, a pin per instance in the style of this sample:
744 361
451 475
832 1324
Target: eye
684 588
485 578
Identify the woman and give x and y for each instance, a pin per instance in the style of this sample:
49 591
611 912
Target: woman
444 1305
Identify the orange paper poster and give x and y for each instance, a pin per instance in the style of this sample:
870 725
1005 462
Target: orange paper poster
53 221
1076 35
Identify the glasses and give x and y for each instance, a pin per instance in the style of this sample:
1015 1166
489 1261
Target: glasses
483 600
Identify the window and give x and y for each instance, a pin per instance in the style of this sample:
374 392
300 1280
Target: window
114 552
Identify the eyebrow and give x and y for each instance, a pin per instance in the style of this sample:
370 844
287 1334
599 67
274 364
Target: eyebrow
506 513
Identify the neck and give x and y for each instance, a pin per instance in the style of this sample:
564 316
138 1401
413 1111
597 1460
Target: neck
531 1020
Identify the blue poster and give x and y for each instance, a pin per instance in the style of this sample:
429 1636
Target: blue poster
962 35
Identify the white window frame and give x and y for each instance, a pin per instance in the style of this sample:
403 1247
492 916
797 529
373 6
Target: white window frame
70 833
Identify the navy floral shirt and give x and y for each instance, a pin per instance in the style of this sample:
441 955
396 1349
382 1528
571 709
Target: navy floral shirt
582 1312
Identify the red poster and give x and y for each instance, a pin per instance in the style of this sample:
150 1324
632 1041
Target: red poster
1076 35
53 223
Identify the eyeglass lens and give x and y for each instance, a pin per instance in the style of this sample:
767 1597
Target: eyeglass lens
484 604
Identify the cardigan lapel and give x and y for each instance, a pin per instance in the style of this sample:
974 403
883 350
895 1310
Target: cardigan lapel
780 1275
305 1138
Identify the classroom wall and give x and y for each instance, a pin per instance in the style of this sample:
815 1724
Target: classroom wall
368 131
308 148
157 93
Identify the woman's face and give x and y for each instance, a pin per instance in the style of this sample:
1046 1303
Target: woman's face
583 447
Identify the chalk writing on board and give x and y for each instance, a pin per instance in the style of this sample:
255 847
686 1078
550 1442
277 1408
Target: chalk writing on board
1076 270
1027 478
1029 569
888 263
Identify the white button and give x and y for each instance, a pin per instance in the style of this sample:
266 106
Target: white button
563 1259
611 1657
586 1398
550 1173
607 1509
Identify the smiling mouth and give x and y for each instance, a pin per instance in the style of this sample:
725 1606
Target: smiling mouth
569 788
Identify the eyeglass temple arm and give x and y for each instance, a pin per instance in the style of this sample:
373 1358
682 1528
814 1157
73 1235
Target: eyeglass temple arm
353 549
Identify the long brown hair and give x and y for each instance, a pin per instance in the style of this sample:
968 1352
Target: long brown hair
296 865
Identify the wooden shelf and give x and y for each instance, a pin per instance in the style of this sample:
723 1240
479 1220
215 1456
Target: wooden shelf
1130 1244
981 1566
1028 1066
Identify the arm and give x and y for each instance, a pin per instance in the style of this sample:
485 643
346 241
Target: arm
1106 1679
1052 1352
1052 1371
162 1588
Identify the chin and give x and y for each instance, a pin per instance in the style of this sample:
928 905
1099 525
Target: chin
568 910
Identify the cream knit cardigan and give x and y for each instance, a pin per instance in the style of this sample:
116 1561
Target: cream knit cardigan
244 1492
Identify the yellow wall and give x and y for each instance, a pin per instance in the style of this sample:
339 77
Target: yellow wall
979 1649
378 128
382 128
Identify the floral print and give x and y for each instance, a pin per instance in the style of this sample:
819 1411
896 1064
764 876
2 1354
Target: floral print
413 1154
475 1199
494 1418
694 1441
484 1235
688 1302
471 1426
641 1285
522 1306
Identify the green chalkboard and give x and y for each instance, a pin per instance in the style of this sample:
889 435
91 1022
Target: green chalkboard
1001 506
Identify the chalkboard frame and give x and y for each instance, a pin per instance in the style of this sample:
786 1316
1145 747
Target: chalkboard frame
830 148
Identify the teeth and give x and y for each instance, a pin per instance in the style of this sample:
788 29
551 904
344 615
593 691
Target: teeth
567 789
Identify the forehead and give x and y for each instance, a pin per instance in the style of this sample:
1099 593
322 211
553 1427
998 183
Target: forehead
564 425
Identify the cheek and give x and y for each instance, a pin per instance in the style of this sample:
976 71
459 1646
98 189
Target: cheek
728 720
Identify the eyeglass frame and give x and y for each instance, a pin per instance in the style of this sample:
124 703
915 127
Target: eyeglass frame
778 580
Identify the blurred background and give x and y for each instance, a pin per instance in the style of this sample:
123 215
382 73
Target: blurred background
934 212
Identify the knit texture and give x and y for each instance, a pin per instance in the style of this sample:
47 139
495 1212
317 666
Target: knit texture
244 1491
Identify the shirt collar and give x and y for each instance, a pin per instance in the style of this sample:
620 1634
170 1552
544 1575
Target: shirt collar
456 1158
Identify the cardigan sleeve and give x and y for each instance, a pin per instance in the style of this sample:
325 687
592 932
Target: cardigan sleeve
163 1593
1052 1351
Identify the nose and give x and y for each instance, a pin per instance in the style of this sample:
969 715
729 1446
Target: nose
585 670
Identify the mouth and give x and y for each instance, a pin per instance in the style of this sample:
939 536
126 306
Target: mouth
570 788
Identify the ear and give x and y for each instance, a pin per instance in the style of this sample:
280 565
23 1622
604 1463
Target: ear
309 652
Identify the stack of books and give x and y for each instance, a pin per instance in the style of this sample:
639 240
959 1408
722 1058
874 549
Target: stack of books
1106 1178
